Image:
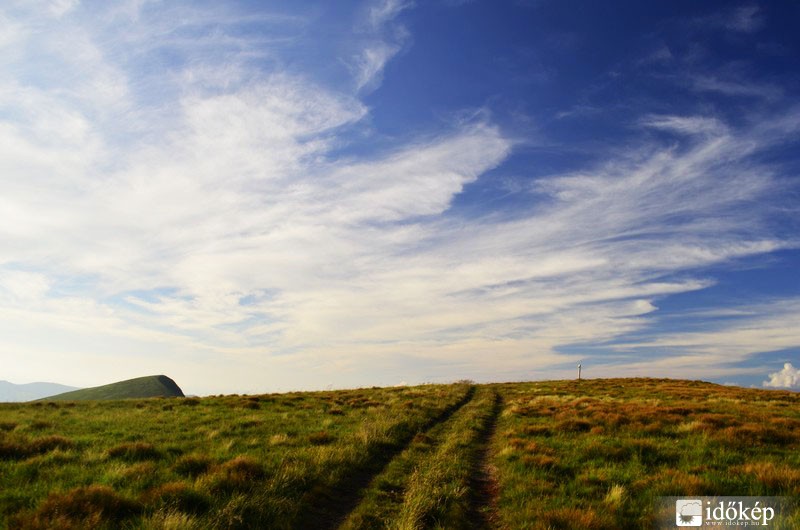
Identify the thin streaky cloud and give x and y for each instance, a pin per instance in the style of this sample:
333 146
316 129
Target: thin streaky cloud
743 19
383 11
382 39
735 87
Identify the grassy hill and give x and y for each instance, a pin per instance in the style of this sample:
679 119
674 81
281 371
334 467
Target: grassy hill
141 387
577 455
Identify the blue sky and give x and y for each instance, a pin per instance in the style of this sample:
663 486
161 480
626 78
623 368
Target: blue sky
264 196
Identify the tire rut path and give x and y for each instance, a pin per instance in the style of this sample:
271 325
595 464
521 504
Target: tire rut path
484 486
328 510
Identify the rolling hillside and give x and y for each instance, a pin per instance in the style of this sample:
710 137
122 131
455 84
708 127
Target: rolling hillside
141 387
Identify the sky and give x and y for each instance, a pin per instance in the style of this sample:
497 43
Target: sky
256 196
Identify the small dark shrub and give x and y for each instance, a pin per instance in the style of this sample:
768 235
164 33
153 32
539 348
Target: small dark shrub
7 426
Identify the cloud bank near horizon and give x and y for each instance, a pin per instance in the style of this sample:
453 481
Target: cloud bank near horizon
789 377
177 193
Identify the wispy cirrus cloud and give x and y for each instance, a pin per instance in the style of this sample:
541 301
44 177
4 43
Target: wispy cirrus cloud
739 19
736 87
726 340
383 11
381 40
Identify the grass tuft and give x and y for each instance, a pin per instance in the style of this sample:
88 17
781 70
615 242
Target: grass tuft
192 465
134 452
85 507
321 438
616 496
240 474
176 496
24 448
10 450
781 477
570 519
49 443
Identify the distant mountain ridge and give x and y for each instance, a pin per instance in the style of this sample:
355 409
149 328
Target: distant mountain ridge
141 387
31 391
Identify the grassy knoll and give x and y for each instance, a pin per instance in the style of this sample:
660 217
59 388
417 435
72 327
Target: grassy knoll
142 387
563 455
595 454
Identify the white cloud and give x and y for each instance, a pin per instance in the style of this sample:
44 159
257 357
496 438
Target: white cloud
789 377
54 8
370 63
745 19
210 221
686 124
736 87
22 285
382 40
383 11
740 19
727 338
662 54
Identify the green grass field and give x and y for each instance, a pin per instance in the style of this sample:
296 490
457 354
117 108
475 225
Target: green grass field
593 454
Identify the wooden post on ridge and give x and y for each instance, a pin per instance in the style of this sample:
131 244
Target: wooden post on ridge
579 371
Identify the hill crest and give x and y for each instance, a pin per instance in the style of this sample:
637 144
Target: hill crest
141 387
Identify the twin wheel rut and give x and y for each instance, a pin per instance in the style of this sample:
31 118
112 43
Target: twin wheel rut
331 510
484 488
